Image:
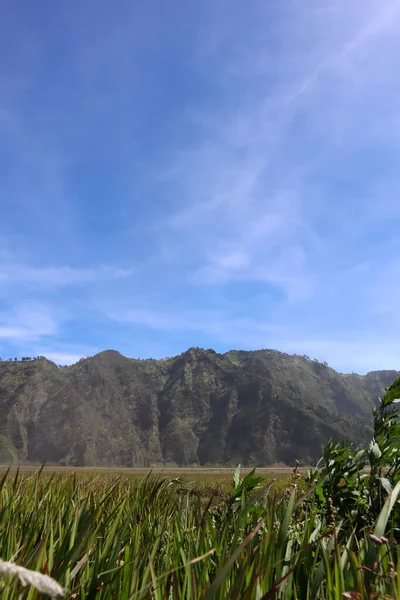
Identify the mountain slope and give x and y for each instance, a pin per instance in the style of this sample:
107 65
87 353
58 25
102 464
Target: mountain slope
200 407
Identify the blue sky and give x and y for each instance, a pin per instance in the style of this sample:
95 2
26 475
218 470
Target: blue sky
218 174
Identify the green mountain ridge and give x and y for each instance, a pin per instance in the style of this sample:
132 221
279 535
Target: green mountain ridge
256 408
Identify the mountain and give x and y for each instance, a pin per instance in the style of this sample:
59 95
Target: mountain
200 407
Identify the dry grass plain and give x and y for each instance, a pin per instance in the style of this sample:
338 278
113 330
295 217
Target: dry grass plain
207 482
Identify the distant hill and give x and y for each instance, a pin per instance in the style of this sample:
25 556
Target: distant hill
199 407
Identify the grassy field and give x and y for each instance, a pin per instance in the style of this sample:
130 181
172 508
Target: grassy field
182 534
201 472
206 482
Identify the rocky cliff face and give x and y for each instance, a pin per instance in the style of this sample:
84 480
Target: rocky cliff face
200 407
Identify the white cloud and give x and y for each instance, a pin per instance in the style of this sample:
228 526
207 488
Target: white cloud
27 323
361 356
58 276
232 260
61 358
195 320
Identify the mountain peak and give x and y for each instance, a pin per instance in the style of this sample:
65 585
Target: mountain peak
110 355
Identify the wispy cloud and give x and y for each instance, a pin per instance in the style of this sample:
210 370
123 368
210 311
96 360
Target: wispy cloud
194 320
63 358
59 276
30 329
27 323
366 353
269 190
221 324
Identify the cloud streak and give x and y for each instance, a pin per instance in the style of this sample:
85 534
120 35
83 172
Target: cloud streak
368 352
27 323
59 276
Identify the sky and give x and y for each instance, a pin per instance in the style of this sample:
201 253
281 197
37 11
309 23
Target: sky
217 174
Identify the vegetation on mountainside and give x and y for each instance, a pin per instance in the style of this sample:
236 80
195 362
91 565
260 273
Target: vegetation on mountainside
335 536
199 408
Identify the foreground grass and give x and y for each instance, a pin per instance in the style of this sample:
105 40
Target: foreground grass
156 537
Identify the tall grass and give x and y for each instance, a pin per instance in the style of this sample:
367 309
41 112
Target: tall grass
150 538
